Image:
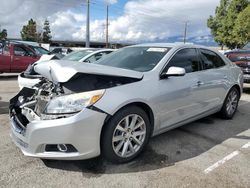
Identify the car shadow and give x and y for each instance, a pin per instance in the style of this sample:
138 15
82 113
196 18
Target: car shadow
165 150
8 77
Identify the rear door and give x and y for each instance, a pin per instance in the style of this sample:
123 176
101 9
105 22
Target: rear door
214 79
22 58
5 58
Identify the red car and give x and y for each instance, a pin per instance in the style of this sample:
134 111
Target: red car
242 59
16 57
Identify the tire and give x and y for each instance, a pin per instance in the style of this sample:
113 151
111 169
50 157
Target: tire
121 143
230 104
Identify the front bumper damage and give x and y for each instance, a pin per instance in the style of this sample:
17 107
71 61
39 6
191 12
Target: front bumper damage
37 138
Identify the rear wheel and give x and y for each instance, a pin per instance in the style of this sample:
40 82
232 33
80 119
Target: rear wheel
125 135
230 104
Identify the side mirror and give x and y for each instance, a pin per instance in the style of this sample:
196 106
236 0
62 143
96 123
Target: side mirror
173 71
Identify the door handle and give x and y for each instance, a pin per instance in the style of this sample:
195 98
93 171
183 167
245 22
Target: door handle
199 83
17 58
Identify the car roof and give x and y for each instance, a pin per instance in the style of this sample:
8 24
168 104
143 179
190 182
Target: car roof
169 45
96 49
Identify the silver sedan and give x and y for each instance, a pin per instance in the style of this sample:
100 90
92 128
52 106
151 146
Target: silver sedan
112 107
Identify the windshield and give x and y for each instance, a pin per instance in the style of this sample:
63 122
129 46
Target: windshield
135 58
40 50
78 55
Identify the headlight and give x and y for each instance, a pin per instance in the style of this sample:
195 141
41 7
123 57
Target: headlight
73 103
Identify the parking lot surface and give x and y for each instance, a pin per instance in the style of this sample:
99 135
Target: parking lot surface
210 152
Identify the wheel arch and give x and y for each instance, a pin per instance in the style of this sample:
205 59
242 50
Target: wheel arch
148 110
237 87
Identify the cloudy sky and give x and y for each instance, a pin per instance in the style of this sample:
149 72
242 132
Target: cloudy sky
130 20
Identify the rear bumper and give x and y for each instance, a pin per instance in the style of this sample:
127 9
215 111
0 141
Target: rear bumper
82 130
246 77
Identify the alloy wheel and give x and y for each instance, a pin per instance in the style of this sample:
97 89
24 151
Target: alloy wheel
129 135
232 102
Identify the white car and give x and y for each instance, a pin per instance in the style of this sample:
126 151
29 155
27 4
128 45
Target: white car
113 106
29 78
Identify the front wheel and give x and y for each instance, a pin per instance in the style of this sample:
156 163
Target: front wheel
125 135
230 104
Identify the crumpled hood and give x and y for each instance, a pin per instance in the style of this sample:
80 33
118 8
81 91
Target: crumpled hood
62 71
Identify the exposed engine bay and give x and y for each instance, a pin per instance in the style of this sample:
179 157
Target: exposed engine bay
30 104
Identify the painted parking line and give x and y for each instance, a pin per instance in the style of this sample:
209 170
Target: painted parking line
247 145
225 159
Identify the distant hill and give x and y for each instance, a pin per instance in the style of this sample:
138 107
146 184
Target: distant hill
206 40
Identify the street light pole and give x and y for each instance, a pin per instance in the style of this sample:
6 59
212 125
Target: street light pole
185 32
87 26
107 27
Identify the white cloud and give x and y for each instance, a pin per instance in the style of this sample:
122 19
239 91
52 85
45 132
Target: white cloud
15 13
65 24
110 1
143 20
150 20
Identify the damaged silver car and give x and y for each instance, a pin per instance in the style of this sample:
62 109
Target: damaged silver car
112 107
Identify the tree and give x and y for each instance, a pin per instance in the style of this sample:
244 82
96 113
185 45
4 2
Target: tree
242 26
46 32
215 23
223 23
3 34
29 32
235 8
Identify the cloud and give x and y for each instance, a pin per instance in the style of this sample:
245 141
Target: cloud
15 13
110 1
65 24
141 20
155 20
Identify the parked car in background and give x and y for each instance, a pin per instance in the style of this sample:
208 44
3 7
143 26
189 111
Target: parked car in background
113 106
88 55
241 58
60 52
29 77
40 50
16 57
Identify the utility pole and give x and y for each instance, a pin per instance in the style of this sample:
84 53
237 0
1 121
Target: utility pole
87 26
185 32
107 27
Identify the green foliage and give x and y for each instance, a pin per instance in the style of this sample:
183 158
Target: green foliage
242 26
46 32
223 24
215 23
29 31
3 34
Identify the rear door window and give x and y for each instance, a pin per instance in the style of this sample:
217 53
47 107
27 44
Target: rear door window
185 58
210 59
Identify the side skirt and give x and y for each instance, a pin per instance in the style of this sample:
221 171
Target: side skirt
189 120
